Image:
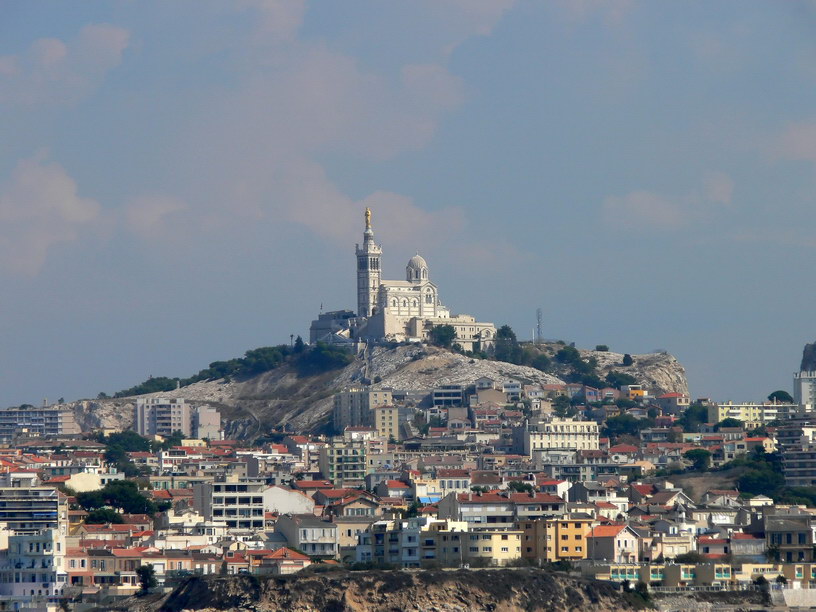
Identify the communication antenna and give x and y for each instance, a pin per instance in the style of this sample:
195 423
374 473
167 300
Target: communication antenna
539 316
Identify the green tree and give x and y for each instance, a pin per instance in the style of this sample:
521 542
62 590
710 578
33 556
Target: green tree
174 439
694 416
147 578
699 458
541 362
443 335
625 424
618 379
506 347
122 494
603 348
689 557
783 397
562 406
101 516
520 487
322 358
568 354
505 332
627 360
299 345
729 422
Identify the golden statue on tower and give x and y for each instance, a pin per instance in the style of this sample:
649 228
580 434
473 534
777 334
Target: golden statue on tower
368 218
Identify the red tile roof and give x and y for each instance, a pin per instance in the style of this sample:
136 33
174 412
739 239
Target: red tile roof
288 553
606 531
395 484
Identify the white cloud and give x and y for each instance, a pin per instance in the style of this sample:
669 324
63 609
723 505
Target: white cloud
797 142
55 72
644 210
256 146
148 215
39 208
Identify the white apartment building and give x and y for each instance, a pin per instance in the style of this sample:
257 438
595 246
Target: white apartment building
309 534
31 421
33 510
556 434
32 570
804 388
237 502
753 414
160 416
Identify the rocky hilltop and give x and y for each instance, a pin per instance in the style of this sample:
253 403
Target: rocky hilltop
386 591
250 407
658 372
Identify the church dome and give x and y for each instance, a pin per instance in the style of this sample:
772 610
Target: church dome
417 269
417 261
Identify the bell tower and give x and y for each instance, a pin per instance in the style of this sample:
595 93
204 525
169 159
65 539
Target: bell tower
368 270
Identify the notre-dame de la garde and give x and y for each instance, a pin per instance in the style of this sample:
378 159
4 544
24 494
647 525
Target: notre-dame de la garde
396 310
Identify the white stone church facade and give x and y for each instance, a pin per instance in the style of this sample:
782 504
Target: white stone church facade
393 310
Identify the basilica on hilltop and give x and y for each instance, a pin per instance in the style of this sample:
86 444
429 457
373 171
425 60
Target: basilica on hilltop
393 310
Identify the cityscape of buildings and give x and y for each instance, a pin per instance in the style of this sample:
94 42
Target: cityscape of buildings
492 473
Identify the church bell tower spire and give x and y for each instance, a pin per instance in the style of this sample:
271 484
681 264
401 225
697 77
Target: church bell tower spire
368 270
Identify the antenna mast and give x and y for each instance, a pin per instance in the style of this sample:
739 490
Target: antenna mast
539 316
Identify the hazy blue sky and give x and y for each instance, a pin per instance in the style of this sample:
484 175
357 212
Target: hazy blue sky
183 181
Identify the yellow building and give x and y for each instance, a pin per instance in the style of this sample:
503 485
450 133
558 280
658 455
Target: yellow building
386 421
752 414
550 540
633 392
495 546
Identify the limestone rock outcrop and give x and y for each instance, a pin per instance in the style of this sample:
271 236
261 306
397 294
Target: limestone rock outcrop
249 408
385 591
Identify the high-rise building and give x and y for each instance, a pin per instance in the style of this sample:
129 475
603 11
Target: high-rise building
804 388
344 462
386 421
353 407
31 421
32 572
239 502
159 416
32 510
207 423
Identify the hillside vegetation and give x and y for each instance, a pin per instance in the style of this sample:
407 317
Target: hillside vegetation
306 360
297 389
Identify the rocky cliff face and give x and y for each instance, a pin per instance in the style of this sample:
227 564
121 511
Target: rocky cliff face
659 372
249 408
379 591
808 358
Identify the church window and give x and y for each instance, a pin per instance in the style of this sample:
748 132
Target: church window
414 303
429 298
394 302
405 303
424 273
